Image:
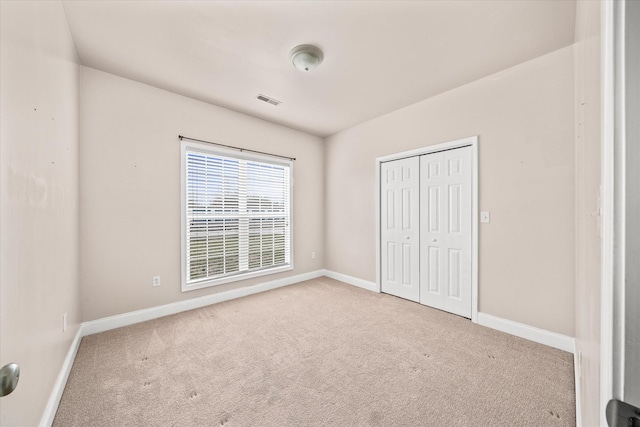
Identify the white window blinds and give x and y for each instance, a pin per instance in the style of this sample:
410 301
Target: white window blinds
237 217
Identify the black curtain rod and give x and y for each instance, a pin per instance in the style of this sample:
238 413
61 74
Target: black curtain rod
235 148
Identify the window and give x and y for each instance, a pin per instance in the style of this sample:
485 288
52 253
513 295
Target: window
236 216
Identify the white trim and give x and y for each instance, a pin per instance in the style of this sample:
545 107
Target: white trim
608 200
224 280
58 387
361 283
463 142
619 200
378 284
577 383
475 224
551 339
189 146
125 319
542 336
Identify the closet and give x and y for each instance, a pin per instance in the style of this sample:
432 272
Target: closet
426 228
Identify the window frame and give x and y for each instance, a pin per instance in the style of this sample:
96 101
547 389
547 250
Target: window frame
188 146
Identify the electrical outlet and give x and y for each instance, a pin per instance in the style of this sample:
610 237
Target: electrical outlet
64 322
313 255
156 281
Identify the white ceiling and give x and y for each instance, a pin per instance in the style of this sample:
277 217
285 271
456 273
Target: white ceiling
379 55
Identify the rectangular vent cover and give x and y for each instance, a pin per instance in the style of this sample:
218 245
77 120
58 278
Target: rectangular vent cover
268 100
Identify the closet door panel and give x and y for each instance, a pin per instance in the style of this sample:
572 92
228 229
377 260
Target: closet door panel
445 230
400 229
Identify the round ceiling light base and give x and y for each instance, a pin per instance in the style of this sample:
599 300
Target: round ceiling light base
306 57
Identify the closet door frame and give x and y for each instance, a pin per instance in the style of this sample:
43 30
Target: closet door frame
471 141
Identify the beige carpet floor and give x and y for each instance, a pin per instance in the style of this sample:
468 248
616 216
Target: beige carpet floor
318 353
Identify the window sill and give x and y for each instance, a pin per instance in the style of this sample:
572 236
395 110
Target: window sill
233 278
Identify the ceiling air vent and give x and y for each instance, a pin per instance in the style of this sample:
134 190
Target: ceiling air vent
268 100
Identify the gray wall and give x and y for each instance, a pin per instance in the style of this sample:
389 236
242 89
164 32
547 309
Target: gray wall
39 191
524 119
130 190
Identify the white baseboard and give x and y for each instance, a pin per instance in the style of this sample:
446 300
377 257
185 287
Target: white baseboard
56 394
542 336
125 319
552 339
361 283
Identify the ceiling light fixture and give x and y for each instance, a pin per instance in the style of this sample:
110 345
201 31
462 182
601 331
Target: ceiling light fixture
306 57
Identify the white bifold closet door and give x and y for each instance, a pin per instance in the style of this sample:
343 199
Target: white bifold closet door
400 228
426 219
445 230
